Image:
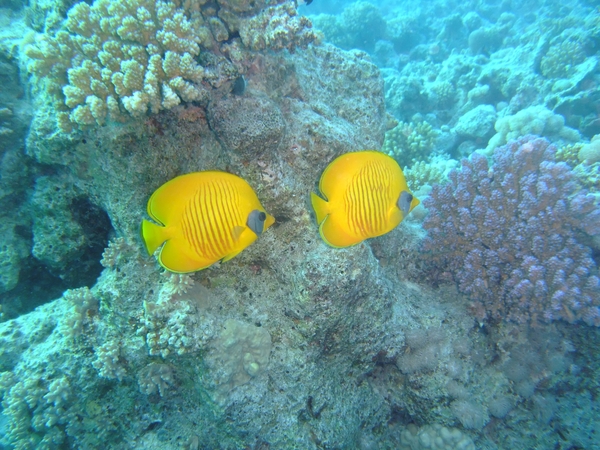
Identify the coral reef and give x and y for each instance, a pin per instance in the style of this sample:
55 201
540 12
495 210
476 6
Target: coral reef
590 153
293 344
410 142
239 353
360 25
249 125
117 59
565 52
435 437
420 173
536 120
511 236
443 63
276 28
111 61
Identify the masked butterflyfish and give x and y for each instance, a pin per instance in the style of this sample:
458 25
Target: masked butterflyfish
203 217
366 196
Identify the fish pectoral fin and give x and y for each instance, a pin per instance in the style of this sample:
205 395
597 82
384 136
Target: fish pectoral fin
237 233
320 206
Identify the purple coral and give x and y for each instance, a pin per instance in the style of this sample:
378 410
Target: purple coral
512 235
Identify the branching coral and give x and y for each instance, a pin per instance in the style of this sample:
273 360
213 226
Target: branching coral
112 253
107 361
581 158
511 236
33 408
115 59
173 324
565 52
409 142
421 173
82 306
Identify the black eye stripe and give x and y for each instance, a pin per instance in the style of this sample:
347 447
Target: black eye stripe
262 216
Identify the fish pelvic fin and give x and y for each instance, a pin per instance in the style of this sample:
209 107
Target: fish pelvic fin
320 206
153 236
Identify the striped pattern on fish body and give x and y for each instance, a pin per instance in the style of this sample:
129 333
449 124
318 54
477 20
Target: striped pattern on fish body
369 200
366 196
209 218
203 217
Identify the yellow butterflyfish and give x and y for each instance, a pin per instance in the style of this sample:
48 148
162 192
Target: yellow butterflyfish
366 196
203 217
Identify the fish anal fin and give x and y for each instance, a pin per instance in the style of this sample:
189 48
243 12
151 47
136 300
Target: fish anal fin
334 237
174 259
232 255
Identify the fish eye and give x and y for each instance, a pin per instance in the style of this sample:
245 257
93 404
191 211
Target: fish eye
404 202
256 221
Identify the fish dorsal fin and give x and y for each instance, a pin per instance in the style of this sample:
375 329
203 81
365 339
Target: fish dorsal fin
237 232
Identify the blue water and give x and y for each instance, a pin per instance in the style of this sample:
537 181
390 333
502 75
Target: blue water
472 324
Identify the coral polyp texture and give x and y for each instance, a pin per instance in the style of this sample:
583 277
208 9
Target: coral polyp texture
409 142
277 27
114 59
513 236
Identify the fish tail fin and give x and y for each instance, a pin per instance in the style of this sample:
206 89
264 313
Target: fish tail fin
153 236
320 206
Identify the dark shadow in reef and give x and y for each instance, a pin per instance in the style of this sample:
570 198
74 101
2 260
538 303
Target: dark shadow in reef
38 285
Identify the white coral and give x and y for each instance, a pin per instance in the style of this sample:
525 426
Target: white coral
115 59
172 323
81 305
276 28
107 361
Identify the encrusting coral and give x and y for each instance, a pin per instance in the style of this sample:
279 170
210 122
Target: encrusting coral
276 28
511 235
537 120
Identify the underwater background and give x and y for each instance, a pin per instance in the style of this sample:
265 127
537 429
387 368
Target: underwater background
472 325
